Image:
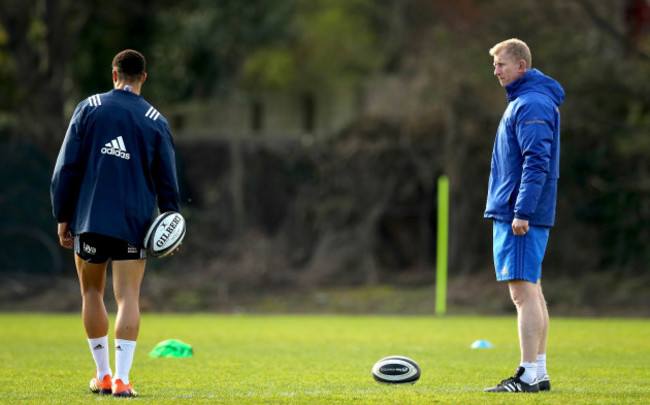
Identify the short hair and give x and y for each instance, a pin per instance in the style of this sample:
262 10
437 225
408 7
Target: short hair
516 48
130 65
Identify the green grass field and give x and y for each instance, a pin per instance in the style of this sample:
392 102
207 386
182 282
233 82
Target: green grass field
250 359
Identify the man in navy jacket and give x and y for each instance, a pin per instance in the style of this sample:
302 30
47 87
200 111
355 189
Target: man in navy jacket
521 201
116 160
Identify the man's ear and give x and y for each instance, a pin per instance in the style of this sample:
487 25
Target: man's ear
522 65
144 77
114 76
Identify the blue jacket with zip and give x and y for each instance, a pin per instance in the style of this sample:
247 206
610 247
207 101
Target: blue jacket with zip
526 157
116 160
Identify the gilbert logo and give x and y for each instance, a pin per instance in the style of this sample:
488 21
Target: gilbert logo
168 231
393 369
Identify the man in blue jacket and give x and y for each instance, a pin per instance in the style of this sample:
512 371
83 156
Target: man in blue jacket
117 158
521 201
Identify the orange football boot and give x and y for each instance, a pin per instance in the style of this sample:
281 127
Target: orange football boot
101 387
123 390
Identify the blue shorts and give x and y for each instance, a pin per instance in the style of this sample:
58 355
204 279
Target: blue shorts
518 257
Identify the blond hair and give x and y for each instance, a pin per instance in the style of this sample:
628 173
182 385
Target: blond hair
515 48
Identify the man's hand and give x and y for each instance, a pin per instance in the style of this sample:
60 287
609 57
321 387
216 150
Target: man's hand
519 226
177 249
66 239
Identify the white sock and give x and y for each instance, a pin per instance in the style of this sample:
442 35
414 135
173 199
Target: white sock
541 366
530 375
99 350
123 359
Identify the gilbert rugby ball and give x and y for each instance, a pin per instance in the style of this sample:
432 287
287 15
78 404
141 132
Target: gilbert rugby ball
165 234
396 370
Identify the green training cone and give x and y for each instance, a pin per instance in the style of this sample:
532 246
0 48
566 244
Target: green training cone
172 348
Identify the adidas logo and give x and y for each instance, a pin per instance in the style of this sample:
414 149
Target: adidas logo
152 113
118 348
98 347
95 101
116 147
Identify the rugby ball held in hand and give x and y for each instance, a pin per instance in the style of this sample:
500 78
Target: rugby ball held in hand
165 234
396 370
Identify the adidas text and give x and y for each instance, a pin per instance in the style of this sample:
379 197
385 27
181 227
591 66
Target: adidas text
116 152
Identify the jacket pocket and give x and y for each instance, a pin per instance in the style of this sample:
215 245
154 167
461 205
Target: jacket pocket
512 200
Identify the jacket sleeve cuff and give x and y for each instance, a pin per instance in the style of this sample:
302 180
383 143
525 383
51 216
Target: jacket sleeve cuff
522 216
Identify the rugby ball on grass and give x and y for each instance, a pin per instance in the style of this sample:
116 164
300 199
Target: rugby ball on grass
396 370
165 234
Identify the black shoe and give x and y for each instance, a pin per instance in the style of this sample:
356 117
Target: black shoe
514 384
544 383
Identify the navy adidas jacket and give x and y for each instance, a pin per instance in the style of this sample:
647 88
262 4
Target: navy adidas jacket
117 158
526 155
